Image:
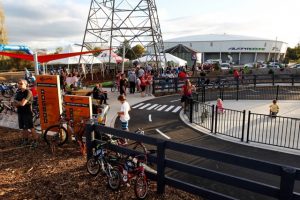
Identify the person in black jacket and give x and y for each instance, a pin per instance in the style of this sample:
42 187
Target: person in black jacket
23 101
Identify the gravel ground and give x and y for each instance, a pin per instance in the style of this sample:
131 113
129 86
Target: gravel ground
27 173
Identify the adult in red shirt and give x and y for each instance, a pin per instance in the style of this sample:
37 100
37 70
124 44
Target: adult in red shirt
182 75
236 74
186 92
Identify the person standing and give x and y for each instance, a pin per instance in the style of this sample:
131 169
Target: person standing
132 81
23 101
149 83
124 112
186 91
236 75
123 85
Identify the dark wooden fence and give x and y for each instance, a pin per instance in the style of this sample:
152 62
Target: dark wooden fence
286 174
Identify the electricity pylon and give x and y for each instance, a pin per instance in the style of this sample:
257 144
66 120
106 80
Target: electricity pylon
112 22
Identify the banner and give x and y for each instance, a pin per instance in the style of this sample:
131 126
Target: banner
47 58
78 108
50 105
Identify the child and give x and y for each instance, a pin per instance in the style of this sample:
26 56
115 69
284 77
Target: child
274 109
220 107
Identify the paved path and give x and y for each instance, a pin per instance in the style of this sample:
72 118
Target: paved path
166 124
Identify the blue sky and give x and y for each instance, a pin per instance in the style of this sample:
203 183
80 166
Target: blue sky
53 23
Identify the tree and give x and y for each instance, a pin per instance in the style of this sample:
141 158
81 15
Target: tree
3 34
291 54
131 52
138 50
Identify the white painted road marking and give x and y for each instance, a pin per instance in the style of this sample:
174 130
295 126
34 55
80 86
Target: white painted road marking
175 100
153 106
176 109
170 108
150 119
162 134
157 107
161 108
145 106
138 105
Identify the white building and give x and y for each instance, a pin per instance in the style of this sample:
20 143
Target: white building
242 49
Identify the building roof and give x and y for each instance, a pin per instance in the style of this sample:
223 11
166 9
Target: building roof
213 37
180 48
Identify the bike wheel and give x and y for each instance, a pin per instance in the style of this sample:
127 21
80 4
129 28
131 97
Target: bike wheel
140 147
56 134
37 124
92 166
141 186
114 179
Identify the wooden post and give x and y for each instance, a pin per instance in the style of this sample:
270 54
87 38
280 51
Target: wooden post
161 146
287 183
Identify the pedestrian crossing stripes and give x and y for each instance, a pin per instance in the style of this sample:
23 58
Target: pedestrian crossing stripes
170 108
161 108
138 105
145 106
153 106
157 107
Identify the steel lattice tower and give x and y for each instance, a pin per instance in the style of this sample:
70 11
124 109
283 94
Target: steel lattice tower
111 22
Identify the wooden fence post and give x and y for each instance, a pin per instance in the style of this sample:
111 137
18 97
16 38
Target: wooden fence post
287 183
161 146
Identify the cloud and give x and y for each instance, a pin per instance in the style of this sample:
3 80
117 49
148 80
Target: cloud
45 22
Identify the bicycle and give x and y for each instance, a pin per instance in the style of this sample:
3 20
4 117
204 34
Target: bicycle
61 131
8 90
115 86
136 145
7 106
132 169
36 116
101 161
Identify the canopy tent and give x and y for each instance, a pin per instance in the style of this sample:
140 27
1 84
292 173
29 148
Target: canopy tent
169 57
112 58
85 59
186 53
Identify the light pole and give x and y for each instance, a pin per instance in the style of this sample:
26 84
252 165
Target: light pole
123 57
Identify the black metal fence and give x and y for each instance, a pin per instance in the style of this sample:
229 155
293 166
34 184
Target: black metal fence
163 160
277 131
247 127
248 87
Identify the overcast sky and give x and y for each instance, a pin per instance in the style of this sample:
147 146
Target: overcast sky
55 23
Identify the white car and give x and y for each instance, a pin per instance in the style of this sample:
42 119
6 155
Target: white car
249 65
225 66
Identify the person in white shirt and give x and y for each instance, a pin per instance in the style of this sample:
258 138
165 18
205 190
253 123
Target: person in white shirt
124 112
75 79
69 80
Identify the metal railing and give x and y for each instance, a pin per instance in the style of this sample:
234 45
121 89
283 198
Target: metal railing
164 159
276 131
247 127
174 85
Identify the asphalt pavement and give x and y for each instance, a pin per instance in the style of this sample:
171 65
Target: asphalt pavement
160 118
